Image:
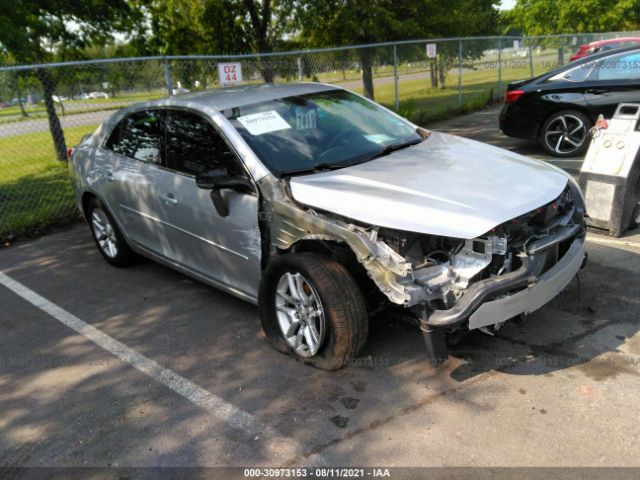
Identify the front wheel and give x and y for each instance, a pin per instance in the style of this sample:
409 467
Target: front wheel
311 307
565 133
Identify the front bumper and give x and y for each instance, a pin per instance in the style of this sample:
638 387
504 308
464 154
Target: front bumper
476 306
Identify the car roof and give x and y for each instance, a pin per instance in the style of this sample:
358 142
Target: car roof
613 40
237 96
581 61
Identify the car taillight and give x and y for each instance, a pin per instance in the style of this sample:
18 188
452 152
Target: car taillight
69 152
513 95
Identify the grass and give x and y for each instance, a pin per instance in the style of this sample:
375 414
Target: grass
35 191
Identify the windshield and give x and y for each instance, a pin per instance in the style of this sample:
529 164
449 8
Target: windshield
322 130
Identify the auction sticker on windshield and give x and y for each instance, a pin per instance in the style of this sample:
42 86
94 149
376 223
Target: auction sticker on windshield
263 122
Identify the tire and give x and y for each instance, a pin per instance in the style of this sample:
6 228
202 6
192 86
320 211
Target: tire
566 133
342 326
111 244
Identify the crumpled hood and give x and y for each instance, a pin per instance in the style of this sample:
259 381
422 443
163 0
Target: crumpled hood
446 185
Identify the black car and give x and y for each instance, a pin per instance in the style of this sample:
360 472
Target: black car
557 109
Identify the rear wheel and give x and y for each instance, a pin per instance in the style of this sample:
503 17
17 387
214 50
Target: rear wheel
311 308
565 133
107 235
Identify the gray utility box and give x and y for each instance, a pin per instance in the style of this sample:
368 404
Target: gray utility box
610 172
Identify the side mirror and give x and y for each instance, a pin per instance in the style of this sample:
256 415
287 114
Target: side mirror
218 179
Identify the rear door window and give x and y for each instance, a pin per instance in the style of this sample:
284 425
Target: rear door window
194 146
139 136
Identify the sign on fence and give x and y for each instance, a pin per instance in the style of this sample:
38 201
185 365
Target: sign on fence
229 73
431 50
516 44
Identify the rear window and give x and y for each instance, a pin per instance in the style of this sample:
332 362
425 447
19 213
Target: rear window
575 74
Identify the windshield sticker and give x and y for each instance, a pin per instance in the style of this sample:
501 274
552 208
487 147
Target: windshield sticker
305 119
378 138
264 122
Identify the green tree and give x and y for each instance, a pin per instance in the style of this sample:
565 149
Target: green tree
461 18
541 17
37 31
182 27
351 22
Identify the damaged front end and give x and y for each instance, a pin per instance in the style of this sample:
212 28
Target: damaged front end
447 282
514 269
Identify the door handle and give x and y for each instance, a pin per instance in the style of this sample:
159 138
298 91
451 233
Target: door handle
170 200
596 91
109 176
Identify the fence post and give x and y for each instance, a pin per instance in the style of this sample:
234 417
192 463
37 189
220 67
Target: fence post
395 76
460 74
499 68
300 69
530 58
167 77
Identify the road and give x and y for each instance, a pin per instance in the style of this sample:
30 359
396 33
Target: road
42 124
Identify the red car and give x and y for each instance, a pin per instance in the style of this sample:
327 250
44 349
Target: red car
604 45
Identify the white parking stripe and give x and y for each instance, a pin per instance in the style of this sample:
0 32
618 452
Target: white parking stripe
214 405
612 241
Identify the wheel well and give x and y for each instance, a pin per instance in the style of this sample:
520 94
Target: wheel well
86 198
320 247
343 254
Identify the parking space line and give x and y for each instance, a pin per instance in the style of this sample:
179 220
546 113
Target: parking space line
611 241
216 406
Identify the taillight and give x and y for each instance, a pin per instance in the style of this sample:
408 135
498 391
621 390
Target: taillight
69 152
513 95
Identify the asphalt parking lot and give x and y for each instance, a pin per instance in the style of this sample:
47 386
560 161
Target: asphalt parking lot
145 367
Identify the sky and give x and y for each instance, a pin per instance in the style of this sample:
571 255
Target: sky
507 4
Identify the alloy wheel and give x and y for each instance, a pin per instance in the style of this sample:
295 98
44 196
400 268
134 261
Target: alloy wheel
104 232
565 134
300 314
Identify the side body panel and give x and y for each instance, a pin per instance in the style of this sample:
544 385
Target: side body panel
225 249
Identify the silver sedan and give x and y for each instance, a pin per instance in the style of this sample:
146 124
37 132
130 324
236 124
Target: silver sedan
322 207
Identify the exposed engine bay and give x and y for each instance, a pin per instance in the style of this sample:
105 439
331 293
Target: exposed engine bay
444 268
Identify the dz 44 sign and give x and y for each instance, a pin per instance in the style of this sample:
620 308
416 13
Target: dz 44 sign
229 73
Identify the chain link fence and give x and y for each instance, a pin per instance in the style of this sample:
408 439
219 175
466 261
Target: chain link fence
45 109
